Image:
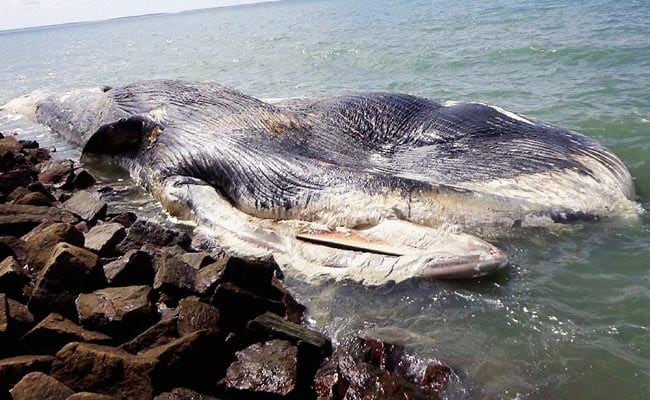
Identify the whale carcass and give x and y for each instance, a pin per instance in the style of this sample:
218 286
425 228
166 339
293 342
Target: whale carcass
371 187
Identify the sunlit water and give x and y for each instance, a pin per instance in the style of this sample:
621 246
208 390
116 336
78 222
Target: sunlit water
571 317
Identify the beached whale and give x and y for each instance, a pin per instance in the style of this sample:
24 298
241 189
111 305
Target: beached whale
372 187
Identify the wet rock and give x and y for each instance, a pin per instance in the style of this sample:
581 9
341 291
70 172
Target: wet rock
436 377
39 245
146 232
268 368
238 306
103 238
70 271
194 315
163 332
174 277
82 179
12 277
183 394
14 369
119 312
56 172
294 310
134 268
17 219
105 370
34 199
91 396
38 386
125 219
192 360
86 206
20 318
55 331
197 260
386 356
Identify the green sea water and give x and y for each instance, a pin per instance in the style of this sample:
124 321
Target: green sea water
570 319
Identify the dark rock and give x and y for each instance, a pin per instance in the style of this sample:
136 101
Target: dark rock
21 320
14 178
238 306
83 179
269 368
5 249
134 268
103 238
161 333
436 377
143 232
14 369
386 356
197 260
40 188
70 271
183 394
17 193
17 220
4 317
272 326
38 386
56 172
12 277
105 370
194 315
86 206
294 310
36 156
28 144
34 199
174 277
39 245
55 331
13 246
125 219
91 396
119 312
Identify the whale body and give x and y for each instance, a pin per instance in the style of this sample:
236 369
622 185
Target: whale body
372 187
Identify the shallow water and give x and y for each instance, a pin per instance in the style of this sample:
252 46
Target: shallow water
571 317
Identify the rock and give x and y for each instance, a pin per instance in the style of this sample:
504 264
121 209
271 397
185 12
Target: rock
386 356
17 219
183 394
120 311
174 277
238 306
21 320
194 315
38 386
14 369
255 276
4 317
436 377
83 179
36 156
56 172
12 277
82 227
294 310
103 238
28 144
40 188
146 232
34 199
125 219
197 260
39 245
91 396
134 268
55 331
13 246
272 326
9 144
163 332
269 368
70 271
17 193
5 249
86 206
105 370
192 360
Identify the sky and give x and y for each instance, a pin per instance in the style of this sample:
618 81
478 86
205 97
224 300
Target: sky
29 13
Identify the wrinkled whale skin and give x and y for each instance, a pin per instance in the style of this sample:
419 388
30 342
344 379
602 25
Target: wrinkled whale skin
351 162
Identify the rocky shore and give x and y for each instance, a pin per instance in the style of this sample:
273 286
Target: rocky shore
99 305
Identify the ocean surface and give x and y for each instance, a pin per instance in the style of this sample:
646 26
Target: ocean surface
570 319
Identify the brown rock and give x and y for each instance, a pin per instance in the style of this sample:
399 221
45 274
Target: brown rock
119 311
125 219
163 332
91 396
197 260
12 277
17 220
36 156
134 268
14 178
174 277
38 386
34 199
82 179
194 315
13 369
39 245
103 238
4 317
146 232
21 319
70 271
13 246
9 144
268 368
294 310
17 193
238 306
55 331
105 370
28 144
436 377
56 172
183 394
86 206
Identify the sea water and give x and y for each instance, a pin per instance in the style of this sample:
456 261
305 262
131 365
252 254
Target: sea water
570 318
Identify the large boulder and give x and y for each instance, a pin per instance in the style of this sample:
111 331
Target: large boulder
86 206
38 386
194 315
39 245
133 268
14 369
147 232
12 277
174 277
17 220
55 331
163 332
103 238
